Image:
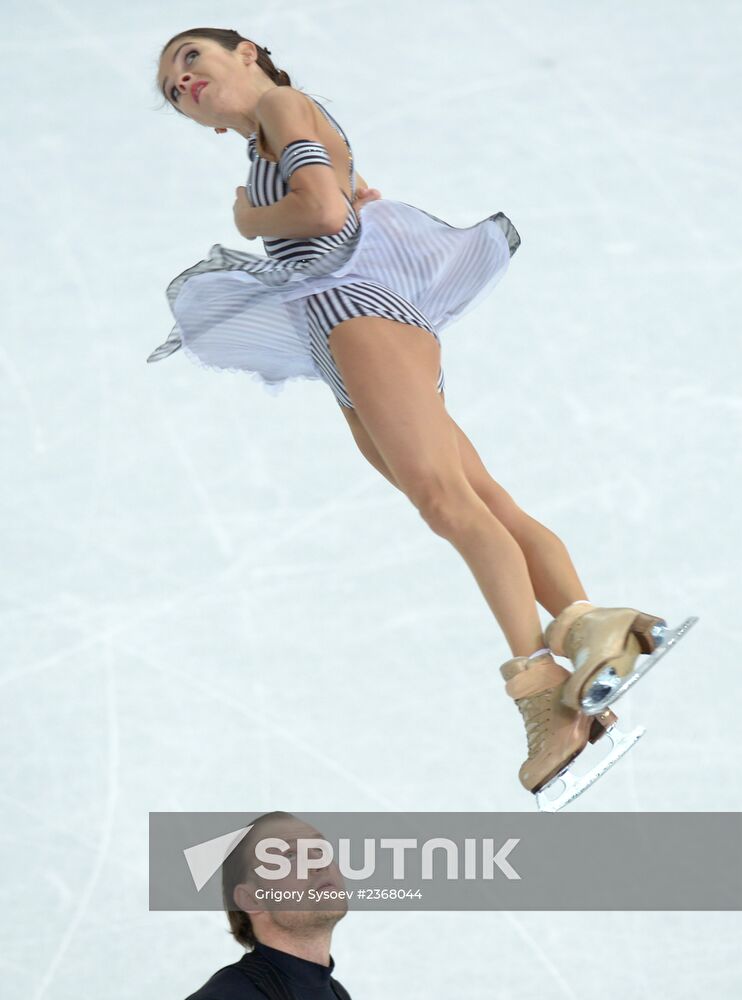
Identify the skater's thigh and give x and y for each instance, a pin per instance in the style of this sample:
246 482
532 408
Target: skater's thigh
365 445
391 372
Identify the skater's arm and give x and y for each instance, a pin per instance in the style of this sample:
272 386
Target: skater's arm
315 204
292 217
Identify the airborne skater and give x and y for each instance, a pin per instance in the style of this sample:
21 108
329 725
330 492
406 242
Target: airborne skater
360 306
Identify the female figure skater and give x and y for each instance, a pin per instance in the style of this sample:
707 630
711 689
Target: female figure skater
360 306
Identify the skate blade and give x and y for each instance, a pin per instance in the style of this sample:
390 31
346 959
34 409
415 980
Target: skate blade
608 687
574 784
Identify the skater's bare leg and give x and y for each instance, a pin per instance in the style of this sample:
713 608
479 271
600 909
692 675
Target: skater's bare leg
553 576
390 371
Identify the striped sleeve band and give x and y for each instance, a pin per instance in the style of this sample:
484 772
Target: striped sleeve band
300 153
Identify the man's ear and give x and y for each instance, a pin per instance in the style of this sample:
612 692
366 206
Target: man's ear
244 897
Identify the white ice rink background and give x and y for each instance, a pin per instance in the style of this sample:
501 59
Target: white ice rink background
210 601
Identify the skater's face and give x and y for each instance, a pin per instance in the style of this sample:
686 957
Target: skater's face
233 82
325 913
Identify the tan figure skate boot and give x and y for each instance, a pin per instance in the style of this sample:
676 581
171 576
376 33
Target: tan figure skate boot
556 733
604 645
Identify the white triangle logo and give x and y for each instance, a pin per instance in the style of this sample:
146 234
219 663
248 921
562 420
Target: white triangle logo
204 859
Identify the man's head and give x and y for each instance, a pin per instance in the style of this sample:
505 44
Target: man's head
253 920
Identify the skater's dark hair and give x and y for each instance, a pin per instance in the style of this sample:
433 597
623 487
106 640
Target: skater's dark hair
235 870
228 38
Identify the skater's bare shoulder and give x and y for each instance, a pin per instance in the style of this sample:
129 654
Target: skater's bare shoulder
285 115
282 112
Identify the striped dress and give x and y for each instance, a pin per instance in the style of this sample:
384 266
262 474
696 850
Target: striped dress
271 317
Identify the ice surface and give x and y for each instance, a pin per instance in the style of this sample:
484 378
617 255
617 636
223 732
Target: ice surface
212 602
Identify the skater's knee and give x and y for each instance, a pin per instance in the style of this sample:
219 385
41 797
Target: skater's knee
445 504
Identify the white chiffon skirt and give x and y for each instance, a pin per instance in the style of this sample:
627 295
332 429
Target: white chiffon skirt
237 311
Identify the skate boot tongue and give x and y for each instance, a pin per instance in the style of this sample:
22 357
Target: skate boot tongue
527 677
556 631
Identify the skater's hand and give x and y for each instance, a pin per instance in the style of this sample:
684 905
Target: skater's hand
242 210
363 197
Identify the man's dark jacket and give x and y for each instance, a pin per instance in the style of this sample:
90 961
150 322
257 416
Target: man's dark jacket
267 972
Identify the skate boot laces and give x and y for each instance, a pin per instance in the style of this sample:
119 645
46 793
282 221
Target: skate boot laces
536 713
